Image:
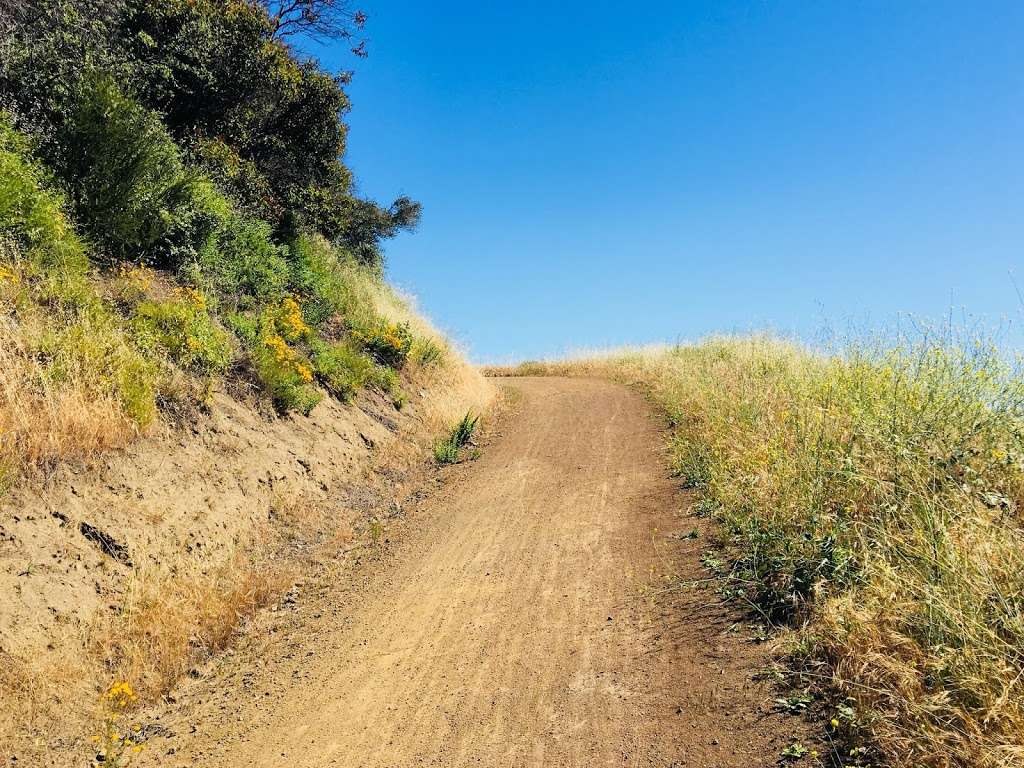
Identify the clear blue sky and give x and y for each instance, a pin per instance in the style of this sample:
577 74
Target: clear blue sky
604 173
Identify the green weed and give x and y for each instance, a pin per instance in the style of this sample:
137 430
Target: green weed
426 352
448 450
389 343
342 370
182 329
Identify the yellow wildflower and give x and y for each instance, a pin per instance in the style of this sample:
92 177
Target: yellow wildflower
195 298
121 693
290 319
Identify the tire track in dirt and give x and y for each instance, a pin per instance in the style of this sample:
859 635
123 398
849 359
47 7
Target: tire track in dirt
514 626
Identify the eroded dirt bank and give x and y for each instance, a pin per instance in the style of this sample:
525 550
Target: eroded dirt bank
141 565
516 619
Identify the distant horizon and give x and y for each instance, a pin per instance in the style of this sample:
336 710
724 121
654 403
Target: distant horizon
824 339
595 179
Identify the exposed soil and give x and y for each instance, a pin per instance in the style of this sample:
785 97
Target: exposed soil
191 511
518 615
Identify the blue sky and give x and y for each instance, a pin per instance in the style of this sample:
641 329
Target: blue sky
601 173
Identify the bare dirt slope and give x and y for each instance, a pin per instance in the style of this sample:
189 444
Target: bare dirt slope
519 620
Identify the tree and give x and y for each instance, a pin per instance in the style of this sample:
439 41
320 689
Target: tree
317 19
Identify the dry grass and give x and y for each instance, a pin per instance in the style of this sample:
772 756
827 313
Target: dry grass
872 501
453 384
168 623
42 421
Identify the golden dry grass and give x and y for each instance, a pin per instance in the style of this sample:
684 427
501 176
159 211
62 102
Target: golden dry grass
166 624
453 384
871 501
43 421
169 622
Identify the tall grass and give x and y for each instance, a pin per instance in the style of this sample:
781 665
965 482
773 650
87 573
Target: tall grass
871 500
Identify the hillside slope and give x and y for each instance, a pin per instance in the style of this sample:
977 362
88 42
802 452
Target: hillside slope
142 562
206 385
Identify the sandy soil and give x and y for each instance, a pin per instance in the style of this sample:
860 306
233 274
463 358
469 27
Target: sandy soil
517 615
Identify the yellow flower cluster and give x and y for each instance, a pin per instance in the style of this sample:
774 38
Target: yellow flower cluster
137 277
391 337
120 694
116 746
193 298
277 345
287 357
9 276
290 320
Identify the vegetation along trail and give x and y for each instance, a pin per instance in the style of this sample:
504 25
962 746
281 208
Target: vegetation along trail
518 626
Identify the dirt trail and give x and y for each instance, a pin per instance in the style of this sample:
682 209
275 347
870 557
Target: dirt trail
513 624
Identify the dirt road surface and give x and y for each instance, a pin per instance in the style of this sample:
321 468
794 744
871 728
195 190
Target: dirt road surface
521 618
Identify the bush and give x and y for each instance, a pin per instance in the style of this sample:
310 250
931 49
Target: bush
128 181
286 377
389 343
332 286
283 371
289 321
32 215
342 370
241 265
183 329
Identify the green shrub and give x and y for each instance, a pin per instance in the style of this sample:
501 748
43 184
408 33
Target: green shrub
285 382
239 177
260 120
197 225
241 265
389 343
129 184
183 329
331 286
285 373
32 215
342 370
